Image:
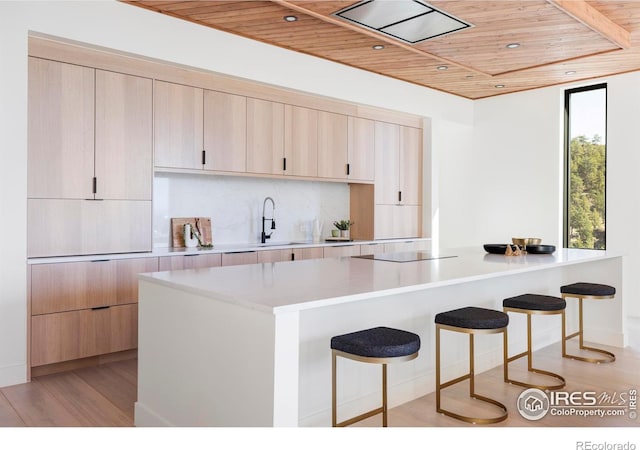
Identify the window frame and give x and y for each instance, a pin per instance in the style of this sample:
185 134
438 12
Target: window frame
567 156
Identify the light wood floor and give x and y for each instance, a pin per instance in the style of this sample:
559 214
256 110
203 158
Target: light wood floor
618 377
104 396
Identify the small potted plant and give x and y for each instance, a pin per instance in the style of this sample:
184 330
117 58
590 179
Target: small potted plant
343 226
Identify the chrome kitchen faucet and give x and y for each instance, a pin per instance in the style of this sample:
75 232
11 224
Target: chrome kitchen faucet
264 235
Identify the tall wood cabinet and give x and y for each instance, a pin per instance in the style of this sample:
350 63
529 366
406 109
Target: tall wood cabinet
398 187
391 208
90 141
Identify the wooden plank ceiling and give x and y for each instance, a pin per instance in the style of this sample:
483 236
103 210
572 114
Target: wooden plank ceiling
560 41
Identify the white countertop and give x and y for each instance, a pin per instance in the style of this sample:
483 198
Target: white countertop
218 248
299 285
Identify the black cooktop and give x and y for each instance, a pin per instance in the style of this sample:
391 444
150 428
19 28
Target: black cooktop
404 256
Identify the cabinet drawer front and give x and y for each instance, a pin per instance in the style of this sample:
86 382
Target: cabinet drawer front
189 262
81 334
342 250
234 259
72 286
83 227
69 335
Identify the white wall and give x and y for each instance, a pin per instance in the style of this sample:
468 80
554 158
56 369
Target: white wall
126 28
502 178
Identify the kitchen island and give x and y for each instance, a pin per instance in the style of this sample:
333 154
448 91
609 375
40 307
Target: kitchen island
249 345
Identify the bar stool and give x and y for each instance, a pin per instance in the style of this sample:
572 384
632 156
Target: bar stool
530 304
472 321
583 291
379 345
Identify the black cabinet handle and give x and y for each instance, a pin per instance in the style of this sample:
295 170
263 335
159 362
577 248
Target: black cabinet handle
100 307
293 256
204 157
399 196
284 163
95 185
348 168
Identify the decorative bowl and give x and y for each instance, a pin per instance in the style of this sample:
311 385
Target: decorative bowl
497 249
541 249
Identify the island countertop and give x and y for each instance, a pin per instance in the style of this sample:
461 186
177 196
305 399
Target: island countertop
301 285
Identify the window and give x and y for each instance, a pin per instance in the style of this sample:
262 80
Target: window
585 167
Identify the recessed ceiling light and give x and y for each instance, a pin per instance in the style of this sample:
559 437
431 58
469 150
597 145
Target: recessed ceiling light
290 18
378 47
442 67
513 45
570 72
499 86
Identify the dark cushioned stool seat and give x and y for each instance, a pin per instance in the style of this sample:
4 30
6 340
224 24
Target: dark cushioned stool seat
592 289
535 302
380 342
474 318
585 291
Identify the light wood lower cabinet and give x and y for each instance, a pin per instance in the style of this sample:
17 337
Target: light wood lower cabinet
237 258
199 261
372 249
407 246
342 250
276 255
308 253
290 254
79 334
83 309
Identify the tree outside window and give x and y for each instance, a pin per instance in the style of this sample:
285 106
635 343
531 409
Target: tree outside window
585 182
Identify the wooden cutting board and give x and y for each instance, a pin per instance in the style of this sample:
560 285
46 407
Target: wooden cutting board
200 223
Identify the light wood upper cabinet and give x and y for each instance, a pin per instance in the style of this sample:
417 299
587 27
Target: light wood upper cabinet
225 125
301 141
123 133
387 163
265 136
90 133
333 141
398 164
61 131
178 125
410 165
361 149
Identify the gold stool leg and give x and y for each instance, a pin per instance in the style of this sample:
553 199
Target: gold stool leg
471 377
334 413
384 395
609 357
529 354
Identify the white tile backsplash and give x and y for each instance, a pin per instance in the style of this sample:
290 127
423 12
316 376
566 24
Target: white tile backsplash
235 206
